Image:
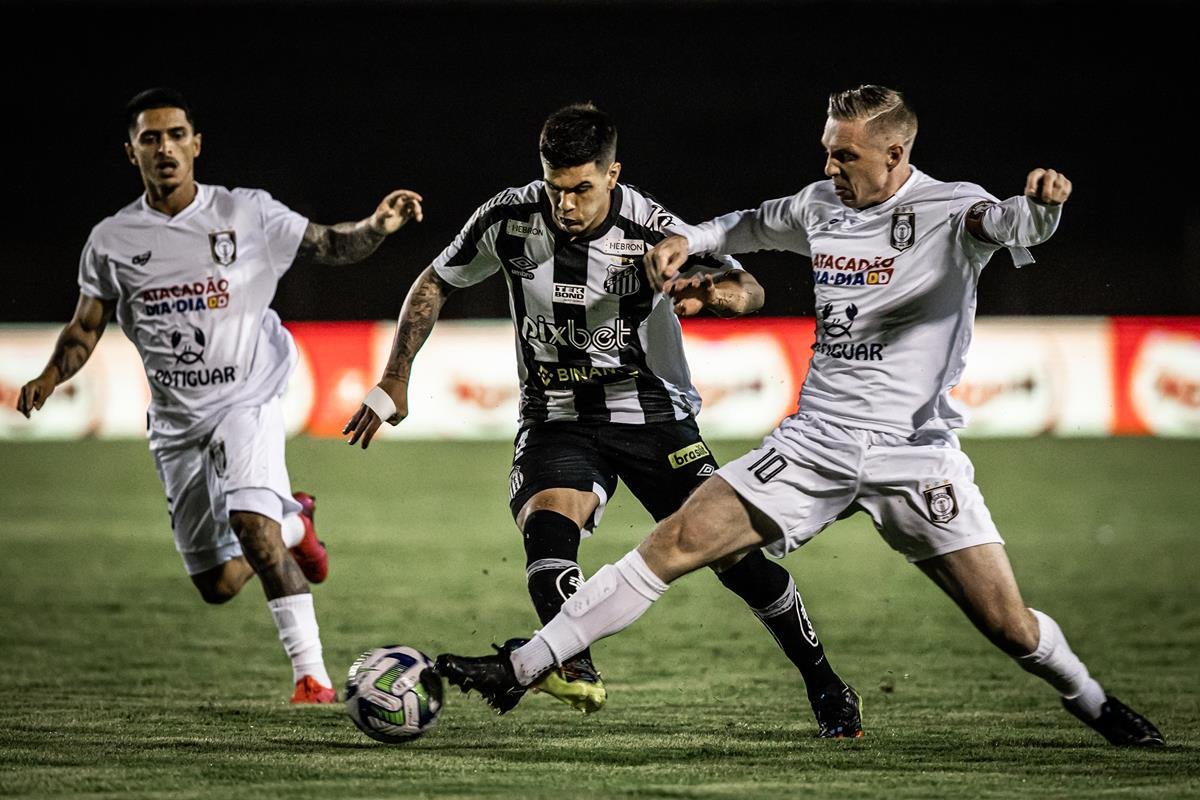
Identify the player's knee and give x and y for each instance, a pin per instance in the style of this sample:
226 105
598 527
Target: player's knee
215 591
260 540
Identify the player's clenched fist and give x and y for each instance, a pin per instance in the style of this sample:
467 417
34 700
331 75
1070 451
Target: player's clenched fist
395 210
1047 186
664 260
34 394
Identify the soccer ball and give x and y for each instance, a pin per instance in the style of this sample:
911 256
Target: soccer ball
392 694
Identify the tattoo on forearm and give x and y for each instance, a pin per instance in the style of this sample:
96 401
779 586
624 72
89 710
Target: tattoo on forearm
70 354
344 243
421 309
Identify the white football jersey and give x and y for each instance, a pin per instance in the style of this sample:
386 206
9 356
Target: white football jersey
193 294
895 291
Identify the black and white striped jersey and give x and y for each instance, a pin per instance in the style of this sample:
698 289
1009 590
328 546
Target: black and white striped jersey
594 342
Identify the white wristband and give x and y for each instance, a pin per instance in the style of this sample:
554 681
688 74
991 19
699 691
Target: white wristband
381 403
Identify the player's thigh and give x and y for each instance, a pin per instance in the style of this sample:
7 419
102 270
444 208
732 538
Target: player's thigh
662 463
245 465
803 477
924 501
555 455
203 543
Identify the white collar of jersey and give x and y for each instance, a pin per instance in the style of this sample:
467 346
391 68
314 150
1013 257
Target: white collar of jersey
887 205
199 200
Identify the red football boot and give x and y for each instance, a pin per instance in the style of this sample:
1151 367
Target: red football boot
310 552
310 691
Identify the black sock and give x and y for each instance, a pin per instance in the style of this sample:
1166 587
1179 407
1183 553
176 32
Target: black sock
771 593
551 569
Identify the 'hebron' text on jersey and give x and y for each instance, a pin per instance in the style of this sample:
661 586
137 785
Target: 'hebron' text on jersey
193 293
594 342
895 292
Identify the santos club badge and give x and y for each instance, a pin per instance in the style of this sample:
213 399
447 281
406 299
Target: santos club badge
904 227
224 247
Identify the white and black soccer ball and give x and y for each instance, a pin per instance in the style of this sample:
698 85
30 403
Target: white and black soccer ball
393 694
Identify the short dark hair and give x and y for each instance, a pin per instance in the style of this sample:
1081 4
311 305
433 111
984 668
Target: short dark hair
578 134
158 97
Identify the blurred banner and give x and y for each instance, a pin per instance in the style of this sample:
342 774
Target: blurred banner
1091 376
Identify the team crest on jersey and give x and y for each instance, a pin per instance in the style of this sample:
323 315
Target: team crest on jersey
941 502
522 267
516 479
622 281
224 247
904 227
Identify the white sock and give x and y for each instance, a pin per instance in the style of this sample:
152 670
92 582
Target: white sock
1054 662
293 530
608 602
297 622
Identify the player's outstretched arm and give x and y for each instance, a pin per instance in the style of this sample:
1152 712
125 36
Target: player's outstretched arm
729 294
74 347
1024 220
350 242
389 399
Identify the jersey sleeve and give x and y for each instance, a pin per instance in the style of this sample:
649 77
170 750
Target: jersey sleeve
775 225
283 229
697 264
471 257
96 277
1015 223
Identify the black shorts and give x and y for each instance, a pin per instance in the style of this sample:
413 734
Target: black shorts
660 462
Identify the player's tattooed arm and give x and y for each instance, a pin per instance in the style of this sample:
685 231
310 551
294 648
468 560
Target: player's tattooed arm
421 309
350 242
72 350
729 294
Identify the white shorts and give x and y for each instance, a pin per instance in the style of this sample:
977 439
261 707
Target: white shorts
240 467
920 491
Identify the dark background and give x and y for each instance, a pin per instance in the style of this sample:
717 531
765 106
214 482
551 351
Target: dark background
719 105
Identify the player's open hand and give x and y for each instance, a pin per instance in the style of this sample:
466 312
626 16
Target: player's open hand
365 422
33 394
1048 187
664 261
397 209
690 295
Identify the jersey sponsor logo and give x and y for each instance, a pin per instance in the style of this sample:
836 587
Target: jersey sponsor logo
223 245
875 277
206 295
941 502
904 227
192 378
836 327
563 376
188 344
516 479
622 281
832 263
515 227
686 455
850 351
142 259
522 267
569 293
615 337
623 247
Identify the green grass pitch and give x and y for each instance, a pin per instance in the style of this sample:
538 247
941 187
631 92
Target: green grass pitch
116 681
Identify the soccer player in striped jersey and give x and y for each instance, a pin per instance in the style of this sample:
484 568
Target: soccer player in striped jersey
896 256
605 387
189 271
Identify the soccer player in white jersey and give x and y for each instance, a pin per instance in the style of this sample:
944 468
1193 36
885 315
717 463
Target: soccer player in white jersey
605 388
896 255
189 270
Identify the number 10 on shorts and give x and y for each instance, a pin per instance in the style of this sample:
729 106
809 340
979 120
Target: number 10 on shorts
767 467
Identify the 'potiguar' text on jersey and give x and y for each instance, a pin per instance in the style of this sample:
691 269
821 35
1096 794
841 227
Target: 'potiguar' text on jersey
595 343
895 291
192 293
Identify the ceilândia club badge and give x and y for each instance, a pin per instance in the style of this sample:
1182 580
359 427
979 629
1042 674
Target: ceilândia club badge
941 502
904 227
224 247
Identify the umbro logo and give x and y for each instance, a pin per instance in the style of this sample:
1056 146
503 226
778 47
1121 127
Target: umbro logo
142 259
705 471
522 267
